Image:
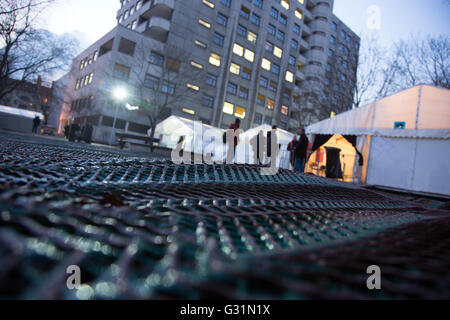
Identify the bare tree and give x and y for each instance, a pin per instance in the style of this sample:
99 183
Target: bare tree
163 80
423 61
26 51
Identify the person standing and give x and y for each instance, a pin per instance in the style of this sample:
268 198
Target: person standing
36 123
300 151
291 149
258 143
235 126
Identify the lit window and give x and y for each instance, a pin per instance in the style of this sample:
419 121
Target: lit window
239 50
266 64
228 108
285 110
270 104
200 44
235 68
285 4
214 59
196 65
193 87
189 111
299 14
252 37
91 77
249 55
277 52
240 112
208 3
289 76
301 1
204 23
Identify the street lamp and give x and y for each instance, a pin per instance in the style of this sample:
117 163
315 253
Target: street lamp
119 95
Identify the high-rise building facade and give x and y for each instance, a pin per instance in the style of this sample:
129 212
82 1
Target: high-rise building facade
254 58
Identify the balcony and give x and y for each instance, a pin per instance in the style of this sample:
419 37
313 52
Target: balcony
321 10
318 40
320 25
157 8
158 28
307 16
303 45
315 70
306 30
316 55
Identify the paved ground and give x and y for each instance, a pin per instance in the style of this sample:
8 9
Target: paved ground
141 228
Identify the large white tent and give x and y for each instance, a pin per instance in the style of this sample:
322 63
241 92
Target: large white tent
245 153
404 139
194 136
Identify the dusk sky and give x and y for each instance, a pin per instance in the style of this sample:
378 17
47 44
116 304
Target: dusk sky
88 20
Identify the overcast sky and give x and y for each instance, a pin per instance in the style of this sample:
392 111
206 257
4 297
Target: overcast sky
88 20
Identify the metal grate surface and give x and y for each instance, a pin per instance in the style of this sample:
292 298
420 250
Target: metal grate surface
146 229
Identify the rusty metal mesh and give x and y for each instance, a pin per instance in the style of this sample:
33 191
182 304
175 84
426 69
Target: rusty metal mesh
147 229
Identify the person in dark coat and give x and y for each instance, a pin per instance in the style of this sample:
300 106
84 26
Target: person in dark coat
257 144
235 126
36 123
66 131
300 151
73 131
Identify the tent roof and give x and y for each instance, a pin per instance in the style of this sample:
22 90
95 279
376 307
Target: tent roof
180 125
21 112
425 111
284 137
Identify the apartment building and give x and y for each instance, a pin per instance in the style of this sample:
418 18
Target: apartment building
254 58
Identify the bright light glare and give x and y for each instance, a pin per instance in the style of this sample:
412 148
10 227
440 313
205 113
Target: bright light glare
120 93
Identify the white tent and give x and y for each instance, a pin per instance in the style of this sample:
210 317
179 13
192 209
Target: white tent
245 152
18 119
195 136
404 139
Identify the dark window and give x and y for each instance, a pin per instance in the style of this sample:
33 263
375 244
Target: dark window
232 88
168 87
226 3
263 82
151 81
275 68
271 29
211 79
255 19
243 93
274 13
222 19
258 118
218 39
258 3
242 31
138 128
296 28
207 101
280 35
283 19
156 58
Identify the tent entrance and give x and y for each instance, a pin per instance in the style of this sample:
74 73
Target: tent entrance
348 158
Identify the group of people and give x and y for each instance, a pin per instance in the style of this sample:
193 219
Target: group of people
298 147
74 132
